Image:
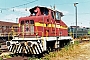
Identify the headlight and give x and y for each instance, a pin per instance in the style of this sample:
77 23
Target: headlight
8 43
29 43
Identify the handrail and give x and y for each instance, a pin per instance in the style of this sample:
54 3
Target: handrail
13 33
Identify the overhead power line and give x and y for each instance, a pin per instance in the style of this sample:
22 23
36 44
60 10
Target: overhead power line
20 5
25 4
87 13
26 0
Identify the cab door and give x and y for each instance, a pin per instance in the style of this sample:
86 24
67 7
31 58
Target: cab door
27 27
31 27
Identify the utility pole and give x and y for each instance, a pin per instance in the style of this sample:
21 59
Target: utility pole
16 20
76 16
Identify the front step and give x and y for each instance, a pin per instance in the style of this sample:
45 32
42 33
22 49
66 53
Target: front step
4 50
3 47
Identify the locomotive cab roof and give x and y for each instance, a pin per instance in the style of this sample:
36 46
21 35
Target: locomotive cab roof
37 10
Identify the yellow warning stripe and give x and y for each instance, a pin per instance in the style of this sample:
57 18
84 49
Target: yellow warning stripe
40 24
63 27
50 25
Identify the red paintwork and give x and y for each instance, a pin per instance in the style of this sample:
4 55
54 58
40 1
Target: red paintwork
46 20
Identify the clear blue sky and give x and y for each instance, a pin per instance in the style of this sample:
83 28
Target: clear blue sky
66 6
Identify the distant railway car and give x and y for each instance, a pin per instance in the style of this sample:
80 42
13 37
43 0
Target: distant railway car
42 31
6 30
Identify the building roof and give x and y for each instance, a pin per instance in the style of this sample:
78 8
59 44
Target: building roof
3 23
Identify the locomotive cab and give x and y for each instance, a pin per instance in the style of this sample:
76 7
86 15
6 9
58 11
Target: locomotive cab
29 26
37 11
40 22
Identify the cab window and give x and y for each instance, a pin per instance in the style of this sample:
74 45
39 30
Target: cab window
31 22
44 11
22 22
57 15
27 21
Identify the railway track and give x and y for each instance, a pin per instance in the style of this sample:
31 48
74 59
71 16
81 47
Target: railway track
3 47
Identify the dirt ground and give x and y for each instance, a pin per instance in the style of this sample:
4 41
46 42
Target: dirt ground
80 52
17 58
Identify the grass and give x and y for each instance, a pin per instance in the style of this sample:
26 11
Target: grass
1 58
7 56
33 58
66 51
76 42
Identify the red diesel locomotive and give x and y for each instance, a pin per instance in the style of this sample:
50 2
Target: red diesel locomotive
42 31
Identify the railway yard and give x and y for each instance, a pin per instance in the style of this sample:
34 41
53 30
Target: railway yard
43 35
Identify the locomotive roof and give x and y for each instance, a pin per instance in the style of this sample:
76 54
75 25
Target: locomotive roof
42 8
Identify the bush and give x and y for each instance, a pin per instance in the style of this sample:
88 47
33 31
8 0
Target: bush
1 58
33 58
76 42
